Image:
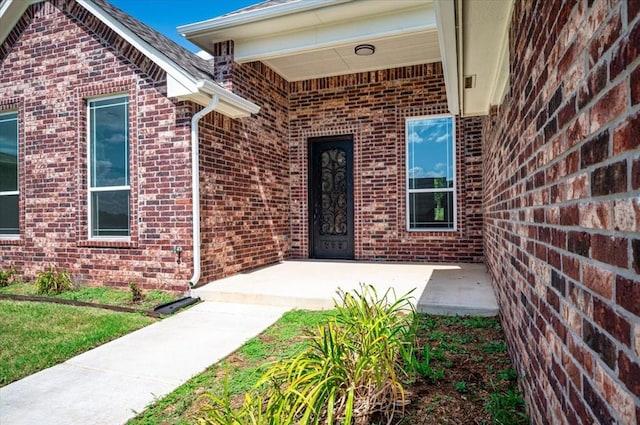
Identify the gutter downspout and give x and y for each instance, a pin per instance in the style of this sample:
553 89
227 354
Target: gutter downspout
195 186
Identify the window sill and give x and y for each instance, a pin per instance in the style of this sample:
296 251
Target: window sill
11 240
434 230
108 243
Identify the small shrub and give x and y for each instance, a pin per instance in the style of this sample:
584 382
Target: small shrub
351 370
136 293
7 277
52 282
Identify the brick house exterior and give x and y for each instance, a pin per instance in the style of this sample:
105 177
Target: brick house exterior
547 184
51 105
253 194
562 209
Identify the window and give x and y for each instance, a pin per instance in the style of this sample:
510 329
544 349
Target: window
108 168
9 222
431 196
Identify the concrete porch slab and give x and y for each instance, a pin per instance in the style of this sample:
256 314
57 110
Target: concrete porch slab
312 284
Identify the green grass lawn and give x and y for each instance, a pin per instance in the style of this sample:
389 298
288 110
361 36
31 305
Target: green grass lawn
38 335
95 294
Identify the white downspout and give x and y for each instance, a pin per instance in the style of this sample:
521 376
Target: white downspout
195 185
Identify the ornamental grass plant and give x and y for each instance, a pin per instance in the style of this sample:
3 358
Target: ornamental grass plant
352 370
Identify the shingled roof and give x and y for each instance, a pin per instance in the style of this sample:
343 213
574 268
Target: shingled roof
262 5
182 57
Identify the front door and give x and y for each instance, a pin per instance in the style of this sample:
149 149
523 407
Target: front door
331 197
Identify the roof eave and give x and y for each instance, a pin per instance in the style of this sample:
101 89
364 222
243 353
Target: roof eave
251 16
11 11
229 103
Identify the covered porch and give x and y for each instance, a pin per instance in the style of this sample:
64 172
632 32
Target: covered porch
450 289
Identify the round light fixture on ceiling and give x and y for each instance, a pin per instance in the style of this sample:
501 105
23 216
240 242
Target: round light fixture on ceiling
365 49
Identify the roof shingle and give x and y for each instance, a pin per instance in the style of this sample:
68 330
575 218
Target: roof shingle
262 5
189 61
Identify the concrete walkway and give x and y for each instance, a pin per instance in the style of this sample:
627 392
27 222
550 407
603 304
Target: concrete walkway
109 384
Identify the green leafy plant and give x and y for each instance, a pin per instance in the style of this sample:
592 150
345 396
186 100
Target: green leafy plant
136 293
351 370
7 277
506 408
53 282
423 363
509 374
493 347
461 387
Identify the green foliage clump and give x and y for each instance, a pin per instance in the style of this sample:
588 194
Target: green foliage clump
352 369
507 408
7 277
52 282
136 293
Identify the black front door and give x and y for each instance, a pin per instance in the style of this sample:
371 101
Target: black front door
331 197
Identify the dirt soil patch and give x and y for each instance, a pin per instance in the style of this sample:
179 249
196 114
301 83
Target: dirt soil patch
467 375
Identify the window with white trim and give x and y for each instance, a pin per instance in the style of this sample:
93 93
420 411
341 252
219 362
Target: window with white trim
108 168
431 194
9 210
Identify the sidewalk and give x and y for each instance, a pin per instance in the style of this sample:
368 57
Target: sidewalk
109 384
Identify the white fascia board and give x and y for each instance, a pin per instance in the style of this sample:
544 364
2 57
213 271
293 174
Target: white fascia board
321 37
229 104
149 51
445 12
236 105
10 13
251 16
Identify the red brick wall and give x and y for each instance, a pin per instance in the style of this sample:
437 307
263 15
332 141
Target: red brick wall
373 106
245 177
562 209
56 57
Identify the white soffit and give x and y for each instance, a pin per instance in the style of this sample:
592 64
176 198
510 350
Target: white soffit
485 52
319 41
390 52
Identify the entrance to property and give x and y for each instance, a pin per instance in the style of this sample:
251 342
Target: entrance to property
331 197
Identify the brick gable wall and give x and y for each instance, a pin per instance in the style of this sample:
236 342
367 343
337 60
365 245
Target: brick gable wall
56 57
373 106
562 209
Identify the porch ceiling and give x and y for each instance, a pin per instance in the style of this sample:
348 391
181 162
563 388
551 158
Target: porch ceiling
305 39
320 42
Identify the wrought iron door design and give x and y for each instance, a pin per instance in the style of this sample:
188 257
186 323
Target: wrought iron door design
331 197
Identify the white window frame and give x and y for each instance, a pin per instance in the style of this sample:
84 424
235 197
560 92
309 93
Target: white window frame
92 190
17 191
446 189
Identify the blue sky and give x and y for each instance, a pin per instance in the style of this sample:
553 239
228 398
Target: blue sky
165 15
